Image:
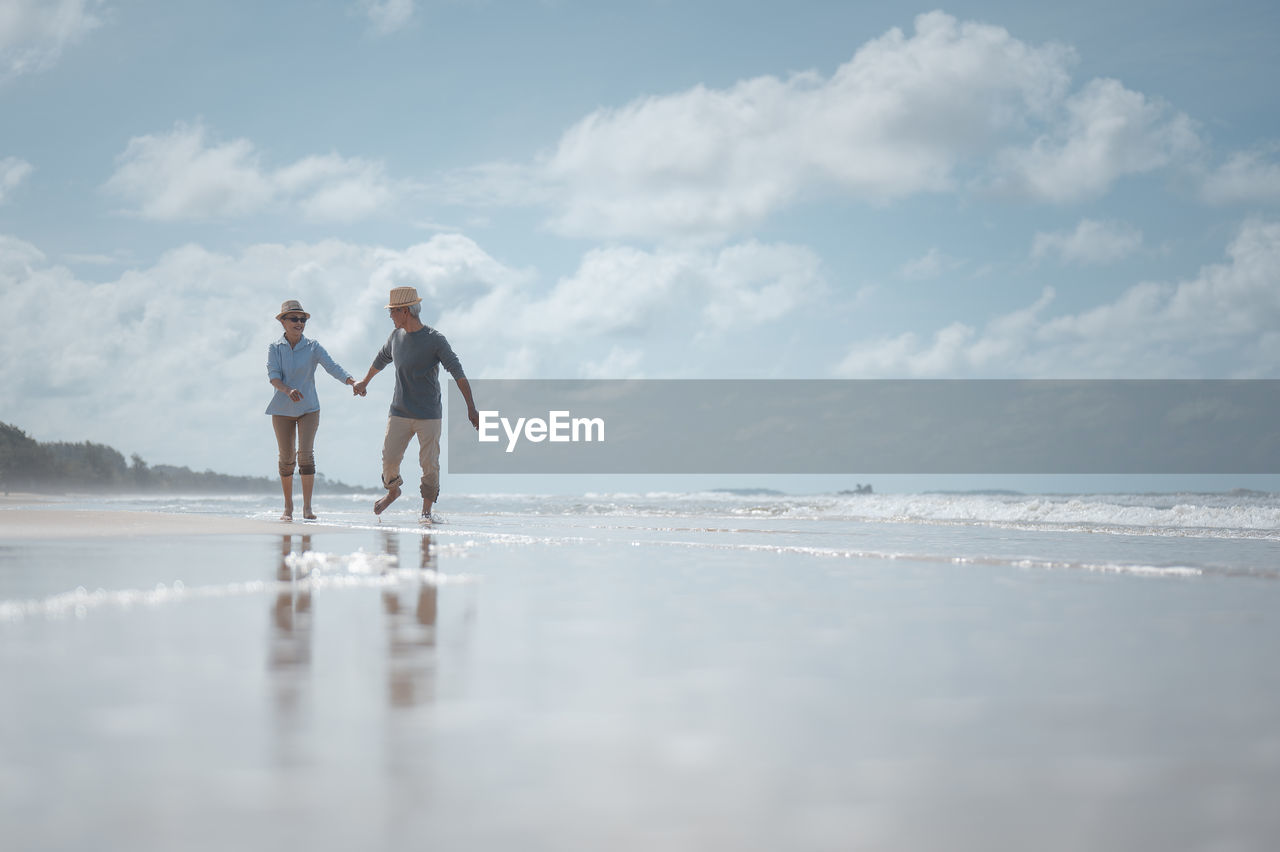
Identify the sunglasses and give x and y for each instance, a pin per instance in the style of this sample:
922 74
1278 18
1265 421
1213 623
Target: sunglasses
302 320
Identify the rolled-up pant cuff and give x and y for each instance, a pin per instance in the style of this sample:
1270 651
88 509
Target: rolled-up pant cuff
400 431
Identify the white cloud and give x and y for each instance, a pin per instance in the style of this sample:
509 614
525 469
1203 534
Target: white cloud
1224 316
182 176
33 33
1091 243
177 176
929 265
335 189
621 291
13 171
183 341
620 363
522 362
497 184
954 106
1246 177
17 257
753 284
615 290
387 16
119 257
893 121
1107 132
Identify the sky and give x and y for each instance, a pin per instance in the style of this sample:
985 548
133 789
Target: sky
699 189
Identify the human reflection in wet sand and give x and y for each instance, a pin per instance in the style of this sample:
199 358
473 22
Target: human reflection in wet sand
411 630
289 651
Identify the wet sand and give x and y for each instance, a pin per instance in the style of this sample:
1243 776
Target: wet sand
390 688
28 518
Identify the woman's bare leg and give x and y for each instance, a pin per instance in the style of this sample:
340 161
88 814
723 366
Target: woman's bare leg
286 485
308 487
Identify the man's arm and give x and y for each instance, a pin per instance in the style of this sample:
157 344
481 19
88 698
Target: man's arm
472 414
361 388
381 360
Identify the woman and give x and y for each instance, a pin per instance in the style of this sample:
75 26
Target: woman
295 409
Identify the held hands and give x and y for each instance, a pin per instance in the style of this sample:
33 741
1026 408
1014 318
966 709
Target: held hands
359 388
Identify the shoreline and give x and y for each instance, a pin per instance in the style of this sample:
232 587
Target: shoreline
23 498
30 519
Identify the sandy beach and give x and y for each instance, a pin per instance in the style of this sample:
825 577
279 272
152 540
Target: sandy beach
26 516
626 682
25 523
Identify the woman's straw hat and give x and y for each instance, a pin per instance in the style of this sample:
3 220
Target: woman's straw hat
293 306
403 297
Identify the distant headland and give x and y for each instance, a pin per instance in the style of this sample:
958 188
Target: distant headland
30 465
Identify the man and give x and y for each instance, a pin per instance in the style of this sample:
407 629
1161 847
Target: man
417 350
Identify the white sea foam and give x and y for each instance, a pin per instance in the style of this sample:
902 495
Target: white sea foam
1232 515
1138 570
1243 514
311 570
1130 514
1224 534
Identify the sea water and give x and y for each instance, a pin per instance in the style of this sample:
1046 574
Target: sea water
652 671
1169 534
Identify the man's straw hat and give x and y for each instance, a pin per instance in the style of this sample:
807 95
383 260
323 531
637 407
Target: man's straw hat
403 297
293 306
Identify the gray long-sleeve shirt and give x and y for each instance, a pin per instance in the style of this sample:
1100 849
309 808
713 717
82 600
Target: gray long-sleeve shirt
418 356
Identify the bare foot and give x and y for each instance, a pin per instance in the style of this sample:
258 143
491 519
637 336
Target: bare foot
308 514
387 500
287 516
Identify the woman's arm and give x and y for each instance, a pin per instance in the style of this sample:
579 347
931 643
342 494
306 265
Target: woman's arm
275 375
362 386
293 393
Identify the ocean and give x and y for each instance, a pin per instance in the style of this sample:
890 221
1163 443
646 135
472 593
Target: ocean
1159 534
669 671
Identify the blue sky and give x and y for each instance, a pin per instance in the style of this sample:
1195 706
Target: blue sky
689 189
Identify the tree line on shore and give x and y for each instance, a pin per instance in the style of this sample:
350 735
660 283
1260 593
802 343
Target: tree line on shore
30 465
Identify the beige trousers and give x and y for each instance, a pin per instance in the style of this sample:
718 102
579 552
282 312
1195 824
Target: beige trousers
306 427
400 430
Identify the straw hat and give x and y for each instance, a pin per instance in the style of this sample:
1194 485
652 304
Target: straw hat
403 297
293 306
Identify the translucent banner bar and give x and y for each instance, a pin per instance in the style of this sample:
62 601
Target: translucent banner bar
867 427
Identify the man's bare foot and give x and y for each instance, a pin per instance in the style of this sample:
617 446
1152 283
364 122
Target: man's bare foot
308 514
287 516
387 500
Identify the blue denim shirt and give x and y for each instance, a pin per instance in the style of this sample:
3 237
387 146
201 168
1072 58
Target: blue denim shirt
296 367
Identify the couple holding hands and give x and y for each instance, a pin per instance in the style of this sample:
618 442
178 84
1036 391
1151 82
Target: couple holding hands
416 350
